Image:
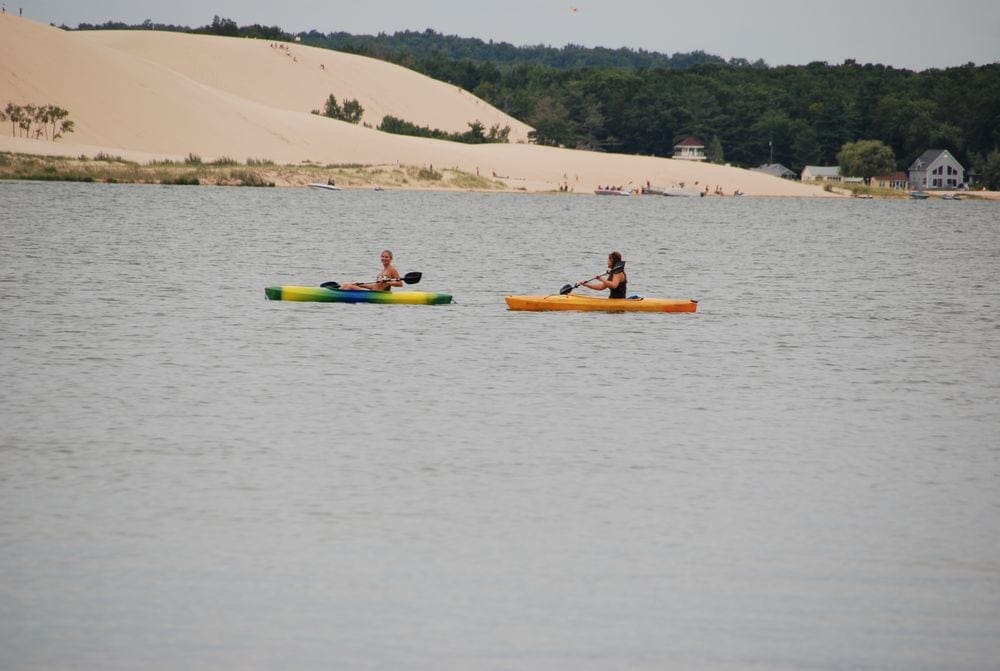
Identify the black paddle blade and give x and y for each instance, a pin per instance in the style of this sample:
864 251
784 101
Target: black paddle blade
330 285
412 278
566 288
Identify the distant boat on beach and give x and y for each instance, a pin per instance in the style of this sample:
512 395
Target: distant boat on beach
663 191
612 191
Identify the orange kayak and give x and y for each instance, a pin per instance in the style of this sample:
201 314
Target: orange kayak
598 304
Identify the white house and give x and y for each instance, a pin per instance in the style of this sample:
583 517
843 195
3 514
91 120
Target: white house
821 173
690 149
936 169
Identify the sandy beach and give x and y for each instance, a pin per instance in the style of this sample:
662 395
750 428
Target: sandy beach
146 96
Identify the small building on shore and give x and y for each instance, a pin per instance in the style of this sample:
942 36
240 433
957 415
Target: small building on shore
897 180
827 173
690 149
821 173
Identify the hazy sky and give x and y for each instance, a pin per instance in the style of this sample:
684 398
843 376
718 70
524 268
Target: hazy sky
914 34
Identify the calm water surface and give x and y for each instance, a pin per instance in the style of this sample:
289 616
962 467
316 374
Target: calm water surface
804 474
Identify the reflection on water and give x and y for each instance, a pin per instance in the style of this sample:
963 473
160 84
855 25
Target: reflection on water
802 474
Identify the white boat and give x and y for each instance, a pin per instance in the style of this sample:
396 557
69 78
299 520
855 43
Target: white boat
919 195
605 191
663 191
321 185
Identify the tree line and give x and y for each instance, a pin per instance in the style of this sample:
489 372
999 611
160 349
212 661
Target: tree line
800 115
638 102
477 133
50 122
409 48
352 111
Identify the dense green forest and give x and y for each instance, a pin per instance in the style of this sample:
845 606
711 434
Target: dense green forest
412 47
639 102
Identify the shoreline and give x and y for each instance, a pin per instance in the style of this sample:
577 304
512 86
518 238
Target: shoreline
114 169
493 168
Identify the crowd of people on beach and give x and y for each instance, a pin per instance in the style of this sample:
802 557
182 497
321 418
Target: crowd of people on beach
649 189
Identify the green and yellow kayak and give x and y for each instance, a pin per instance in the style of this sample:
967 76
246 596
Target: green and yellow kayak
599 304
323 295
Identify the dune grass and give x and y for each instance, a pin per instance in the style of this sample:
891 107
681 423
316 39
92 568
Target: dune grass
226 171
116 170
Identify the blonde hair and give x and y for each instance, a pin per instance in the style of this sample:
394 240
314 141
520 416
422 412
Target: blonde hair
388 251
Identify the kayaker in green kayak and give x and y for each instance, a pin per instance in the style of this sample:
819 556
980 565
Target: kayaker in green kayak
616 280
386 280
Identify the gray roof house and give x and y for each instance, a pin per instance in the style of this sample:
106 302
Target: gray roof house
775 169
936 169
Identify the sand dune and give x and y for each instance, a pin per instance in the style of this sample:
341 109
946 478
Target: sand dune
145 95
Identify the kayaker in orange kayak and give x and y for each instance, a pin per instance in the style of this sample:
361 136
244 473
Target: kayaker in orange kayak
616 280
386 280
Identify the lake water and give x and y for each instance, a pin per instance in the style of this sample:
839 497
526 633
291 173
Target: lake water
805 474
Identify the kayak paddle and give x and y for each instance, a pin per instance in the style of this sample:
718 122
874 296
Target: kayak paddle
617 268
408 278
